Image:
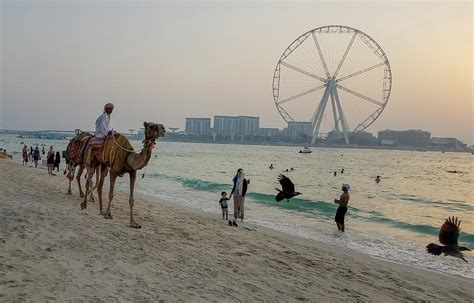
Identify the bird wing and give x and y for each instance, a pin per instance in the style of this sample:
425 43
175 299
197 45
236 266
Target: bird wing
286 184
449 232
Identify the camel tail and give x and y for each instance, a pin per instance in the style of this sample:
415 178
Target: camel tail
434 249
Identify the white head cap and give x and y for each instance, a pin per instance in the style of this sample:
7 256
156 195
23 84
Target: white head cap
108 105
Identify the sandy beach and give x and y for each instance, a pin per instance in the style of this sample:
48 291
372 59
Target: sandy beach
51 250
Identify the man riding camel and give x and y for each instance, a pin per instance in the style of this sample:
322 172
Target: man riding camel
102 124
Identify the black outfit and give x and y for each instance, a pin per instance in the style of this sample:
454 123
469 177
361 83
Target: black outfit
36 154
57 160
340 214
51 159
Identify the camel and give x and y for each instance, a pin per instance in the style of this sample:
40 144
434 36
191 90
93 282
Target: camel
76 152
118 157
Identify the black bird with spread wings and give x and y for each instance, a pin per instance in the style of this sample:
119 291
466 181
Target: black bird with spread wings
287 189
448 235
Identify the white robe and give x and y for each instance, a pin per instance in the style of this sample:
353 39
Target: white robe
102 125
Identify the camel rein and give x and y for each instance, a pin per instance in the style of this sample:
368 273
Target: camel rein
133 151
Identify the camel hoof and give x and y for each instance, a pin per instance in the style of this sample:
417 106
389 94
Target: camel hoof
108 216
81 195
83 205
69 192
135 225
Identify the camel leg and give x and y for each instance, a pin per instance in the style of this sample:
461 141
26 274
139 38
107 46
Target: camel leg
93 185
96 184
133 178
113 177
78 178
103 173
70 173
88 186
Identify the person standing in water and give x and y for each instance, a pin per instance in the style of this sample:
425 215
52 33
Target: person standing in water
342 209
239 190
377 179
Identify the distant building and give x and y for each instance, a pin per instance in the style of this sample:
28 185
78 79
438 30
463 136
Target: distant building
415 138
447 143
299 129
198 126
248 126
268 132
236 126
358 138
225 125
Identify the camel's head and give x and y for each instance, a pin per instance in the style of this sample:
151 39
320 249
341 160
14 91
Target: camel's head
153 131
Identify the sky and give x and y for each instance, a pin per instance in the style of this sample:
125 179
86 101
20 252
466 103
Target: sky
61 61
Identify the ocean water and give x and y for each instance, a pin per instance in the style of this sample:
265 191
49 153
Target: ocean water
393 220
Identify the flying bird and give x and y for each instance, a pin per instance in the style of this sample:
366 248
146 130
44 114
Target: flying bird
448 235
287 189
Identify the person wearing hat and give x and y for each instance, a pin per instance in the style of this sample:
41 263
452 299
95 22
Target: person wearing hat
102 124
342 209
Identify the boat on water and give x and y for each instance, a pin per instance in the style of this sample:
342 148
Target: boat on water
306 150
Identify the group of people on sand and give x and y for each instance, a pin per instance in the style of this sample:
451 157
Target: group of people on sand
53 159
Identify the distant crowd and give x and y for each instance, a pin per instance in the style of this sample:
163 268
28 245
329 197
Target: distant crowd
33 155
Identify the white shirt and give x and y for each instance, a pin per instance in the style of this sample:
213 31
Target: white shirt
102 125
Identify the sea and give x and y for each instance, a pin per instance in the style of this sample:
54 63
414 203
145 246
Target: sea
393 220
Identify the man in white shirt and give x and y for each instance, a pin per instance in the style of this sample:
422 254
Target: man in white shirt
102 124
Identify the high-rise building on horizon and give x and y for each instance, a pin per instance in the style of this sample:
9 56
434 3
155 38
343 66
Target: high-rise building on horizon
236 125
298 129
198 126
411 137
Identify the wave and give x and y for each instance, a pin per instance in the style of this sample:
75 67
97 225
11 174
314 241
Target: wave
448 204
464 238
193 183
322 209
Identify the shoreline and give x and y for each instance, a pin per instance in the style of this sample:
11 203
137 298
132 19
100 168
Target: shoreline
289 144
56 251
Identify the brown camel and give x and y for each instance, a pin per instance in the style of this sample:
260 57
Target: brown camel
76 152
118 157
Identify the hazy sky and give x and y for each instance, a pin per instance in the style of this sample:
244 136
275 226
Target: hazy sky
164 61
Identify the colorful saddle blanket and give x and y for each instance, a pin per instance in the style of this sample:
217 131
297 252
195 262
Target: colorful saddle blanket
74 148
97 144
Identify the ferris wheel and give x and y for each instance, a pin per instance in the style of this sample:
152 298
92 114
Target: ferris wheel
336 77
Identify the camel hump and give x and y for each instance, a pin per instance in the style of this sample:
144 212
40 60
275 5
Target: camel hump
123 142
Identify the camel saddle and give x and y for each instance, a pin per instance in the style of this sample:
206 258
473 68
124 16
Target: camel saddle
74 151
97 144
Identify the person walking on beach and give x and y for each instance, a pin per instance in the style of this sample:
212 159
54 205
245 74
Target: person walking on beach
239 190
36 156
224 206
342 209
50 160
57 160
25 155
102 124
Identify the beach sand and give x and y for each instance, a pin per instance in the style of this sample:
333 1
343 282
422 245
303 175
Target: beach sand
51 250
